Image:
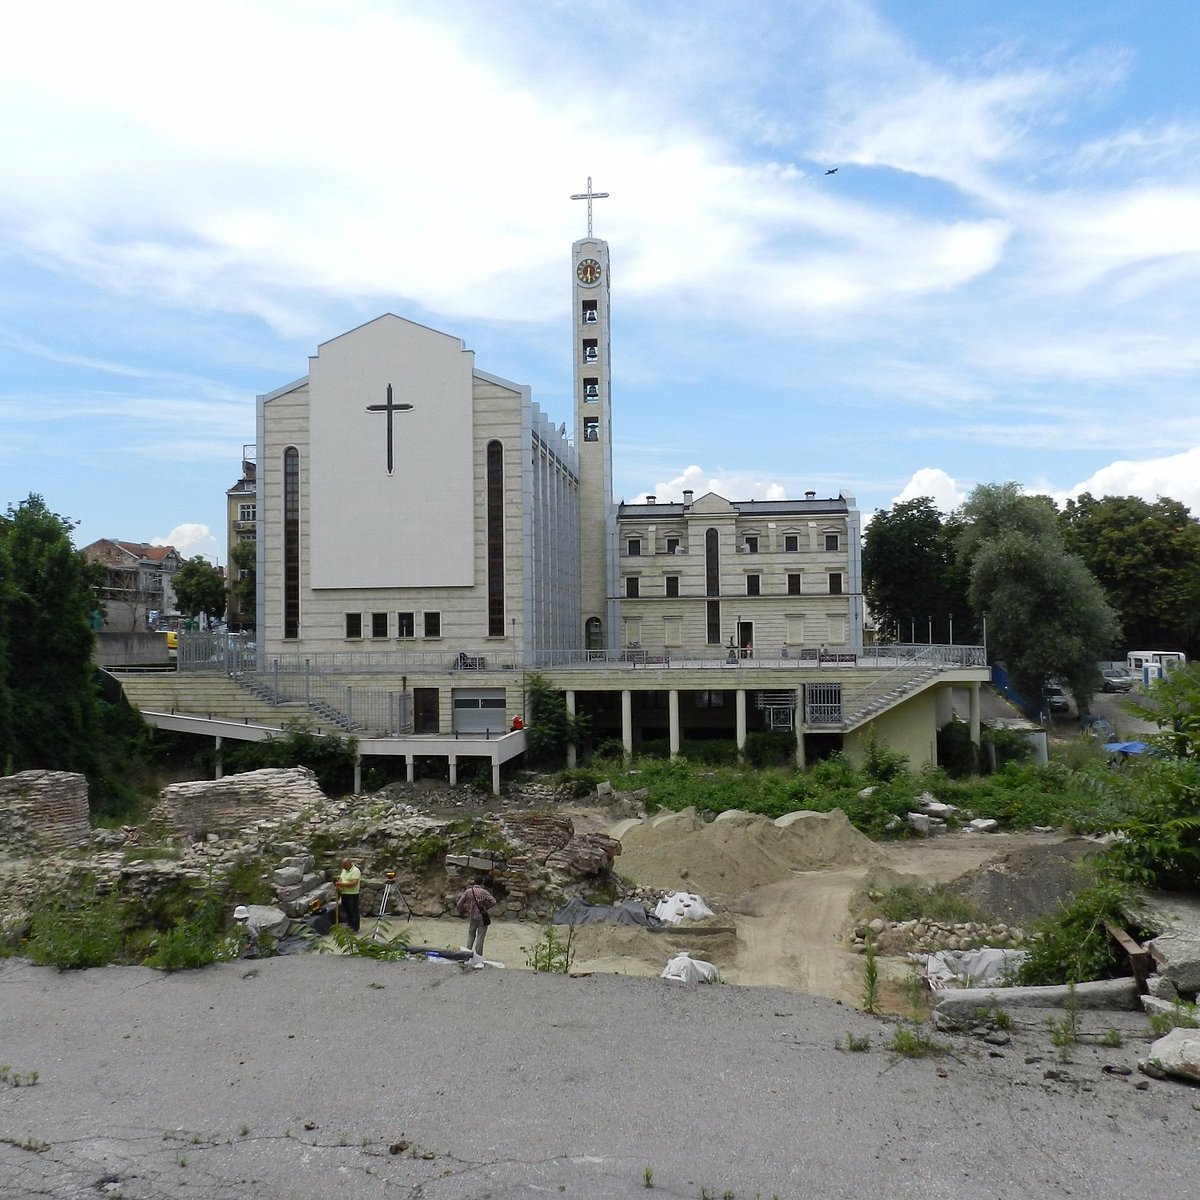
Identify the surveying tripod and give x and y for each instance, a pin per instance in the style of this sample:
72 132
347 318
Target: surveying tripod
390 886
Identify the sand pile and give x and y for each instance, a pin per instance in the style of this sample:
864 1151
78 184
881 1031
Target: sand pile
738 851
603 947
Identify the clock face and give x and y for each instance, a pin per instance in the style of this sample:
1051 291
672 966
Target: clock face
588 272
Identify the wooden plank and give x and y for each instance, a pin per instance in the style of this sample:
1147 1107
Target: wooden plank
1139 955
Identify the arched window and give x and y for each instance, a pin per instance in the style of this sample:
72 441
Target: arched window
593 634
291 542
712 563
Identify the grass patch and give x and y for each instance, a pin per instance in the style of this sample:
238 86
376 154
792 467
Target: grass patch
1182 1016
76 931
907 902
911 1041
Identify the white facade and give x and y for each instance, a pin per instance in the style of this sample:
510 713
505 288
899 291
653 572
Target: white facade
445 545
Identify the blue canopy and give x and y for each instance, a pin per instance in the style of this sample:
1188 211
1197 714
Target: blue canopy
1127 747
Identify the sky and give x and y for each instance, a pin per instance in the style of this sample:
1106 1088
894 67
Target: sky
999 282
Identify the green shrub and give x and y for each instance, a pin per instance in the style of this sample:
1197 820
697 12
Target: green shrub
957 755
907 902
551 952
76 932
1074 944
770 748
712 751
882 763
580 781
196 940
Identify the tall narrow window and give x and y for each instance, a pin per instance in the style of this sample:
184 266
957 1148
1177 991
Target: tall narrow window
433 624
379 625
753 585
495 539
672 582
632 586
794 583
591 350
591 388
835 583
291 542
404 625
591 429
589 312
354 625
634 547
672 545
713 636
712 564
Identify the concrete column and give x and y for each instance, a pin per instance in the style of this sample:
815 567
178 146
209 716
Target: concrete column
741 719
673 718
453 759
357 774
627 722
495 777
220 766
801 761
410 767
572 753
974 713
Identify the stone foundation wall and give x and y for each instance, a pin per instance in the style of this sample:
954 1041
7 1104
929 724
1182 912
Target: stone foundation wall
43 811
227 805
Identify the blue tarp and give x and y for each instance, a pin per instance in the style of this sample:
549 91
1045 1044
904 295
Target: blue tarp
1126 747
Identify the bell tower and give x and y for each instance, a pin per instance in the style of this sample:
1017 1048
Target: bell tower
593 434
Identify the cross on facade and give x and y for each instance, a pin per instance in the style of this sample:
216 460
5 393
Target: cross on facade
389 408
589 196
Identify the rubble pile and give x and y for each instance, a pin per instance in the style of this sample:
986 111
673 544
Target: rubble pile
43 811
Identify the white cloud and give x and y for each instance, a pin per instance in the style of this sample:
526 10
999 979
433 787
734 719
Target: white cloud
1175 476
190 540
944 490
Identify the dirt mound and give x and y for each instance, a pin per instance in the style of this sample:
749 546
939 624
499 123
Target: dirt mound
738 851
1026 884
603 946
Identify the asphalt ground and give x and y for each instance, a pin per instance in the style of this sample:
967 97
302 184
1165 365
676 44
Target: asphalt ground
319 1077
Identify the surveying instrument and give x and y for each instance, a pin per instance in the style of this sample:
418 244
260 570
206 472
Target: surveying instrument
390 887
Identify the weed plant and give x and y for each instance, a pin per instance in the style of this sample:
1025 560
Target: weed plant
907 902
870 991
1074 944
911 1041
857 1045
1181 1016
195 940
551 952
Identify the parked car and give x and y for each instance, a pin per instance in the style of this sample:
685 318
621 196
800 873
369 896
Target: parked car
1056 699
1115 680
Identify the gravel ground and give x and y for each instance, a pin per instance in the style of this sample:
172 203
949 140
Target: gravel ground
324 1077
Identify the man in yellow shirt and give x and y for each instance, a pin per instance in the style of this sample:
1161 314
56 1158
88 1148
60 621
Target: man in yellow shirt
347 885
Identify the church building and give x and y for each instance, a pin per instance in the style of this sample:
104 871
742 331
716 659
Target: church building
425 529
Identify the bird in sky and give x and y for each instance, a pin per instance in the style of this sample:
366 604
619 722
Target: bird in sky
832 171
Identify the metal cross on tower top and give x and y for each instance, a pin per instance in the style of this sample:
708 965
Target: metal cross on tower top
589 196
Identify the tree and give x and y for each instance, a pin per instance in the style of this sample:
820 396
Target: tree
1046 615
550 728
243 591
46 676
1147 559
200 588
912 575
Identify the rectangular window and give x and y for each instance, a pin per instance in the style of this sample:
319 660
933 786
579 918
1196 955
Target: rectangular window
589 312
713 634
591 350
246 512
632 585
379 624
835 583
354 625
794 584
672 585
831 541
591 429
634 547
753 585
672 545
433 624
751 544
591 388
791 543
406 626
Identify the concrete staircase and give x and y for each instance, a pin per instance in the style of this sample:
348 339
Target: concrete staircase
202 694
896 685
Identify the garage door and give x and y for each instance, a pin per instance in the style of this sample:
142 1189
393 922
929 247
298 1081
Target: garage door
479 710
